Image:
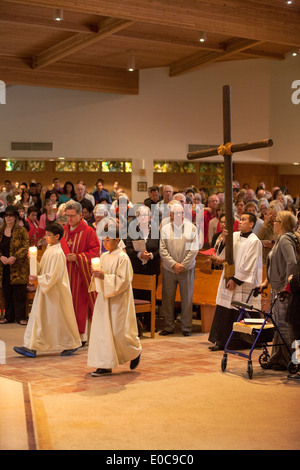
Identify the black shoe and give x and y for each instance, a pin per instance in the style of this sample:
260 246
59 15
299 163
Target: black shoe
100 372
279 367
135 362
216 348
25 351
68 352
186 333
166 332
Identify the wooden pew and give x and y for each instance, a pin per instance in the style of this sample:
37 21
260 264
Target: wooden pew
144 282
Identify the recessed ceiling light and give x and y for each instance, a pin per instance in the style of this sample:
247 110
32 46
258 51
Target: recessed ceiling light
58 14
202 36
131 62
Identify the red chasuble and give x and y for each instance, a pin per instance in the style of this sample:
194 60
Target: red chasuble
84 242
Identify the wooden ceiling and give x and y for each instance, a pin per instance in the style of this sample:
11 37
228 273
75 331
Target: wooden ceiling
89 49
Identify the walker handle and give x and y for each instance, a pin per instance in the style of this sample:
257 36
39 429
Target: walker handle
236 303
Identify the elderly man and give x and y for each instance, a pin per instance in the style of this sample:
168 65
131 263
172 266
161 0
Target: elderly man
178 250
80 193
161 210
83 245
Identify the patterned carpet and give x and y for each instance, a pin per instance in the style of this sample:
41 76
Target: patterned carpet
178 398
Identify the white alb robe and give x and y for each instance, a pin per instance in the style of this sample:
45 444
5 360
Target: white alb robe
52 323
247 258
114 337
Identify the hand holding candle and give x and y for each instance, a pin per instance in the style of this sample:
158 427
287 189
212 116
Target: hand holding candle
96 266
33 260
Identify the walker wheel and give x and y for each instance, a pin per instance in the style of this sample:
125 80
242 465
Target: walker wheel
264 360
224 362
293 368
250 370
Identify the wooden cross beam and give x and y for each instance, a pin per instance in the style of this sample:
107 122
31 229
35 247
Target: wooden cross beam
227 150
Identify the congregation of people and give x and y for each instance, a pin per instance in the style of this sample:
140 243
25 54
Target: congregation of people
160 235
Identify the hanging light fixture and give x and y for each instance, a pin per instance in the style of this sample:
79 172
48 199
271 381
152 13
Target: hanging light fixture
58 14
131 62
202 36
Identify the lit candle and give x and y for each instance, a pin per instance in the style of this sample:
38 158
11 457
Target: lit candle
97 267
33 260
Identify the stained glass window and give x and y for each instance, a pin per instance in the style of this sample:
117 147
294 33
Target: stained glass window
184 167
211 175
162 166
14 165
89 166
110 166
127 167
65 166
35 166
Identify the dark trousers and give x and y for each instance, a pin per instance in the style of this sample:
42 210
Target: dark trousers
14 297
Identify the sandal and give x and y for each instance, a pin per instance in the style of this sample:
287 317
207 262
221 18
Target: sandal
22 322
2 322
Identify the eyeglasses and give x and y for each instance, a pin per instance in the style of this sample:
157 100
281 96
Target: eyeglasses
9 215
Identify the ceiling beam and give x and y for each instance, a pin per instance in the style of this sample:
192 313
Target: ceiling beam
241 18
194 61
8 15
15 71
78 41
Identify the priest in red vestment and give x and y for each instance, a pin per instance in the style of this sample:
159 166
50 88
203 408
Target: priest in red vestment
83 245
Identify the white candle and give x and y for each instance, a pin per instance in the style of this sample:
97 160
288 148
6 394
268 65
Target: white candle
97 267
33 260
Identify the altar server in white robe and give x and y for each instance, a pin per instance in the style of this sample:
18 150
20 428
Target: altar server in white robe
114 335
247 258
52 325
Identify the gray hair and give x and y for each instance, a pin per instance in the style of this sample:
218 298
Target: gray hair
74 205
262 201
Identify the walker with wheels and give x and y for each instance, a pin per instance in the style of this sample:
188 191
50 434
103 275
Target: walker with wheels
258 332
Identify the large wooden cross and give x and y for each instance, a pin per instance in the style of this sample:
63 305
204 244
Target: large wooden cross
227 149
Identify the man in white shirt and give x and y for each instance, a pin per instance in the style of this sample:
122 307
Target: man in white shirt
178 250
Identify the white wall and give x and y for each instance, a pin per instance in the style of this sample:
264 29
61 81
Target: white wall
284 114
160 122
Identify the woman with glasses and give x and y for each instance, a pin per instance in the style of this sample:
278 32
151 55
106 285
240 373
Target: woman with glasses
281 263
14 266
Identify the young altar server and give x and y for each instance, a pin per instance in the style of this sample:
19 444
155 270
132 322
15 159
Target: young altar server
247 254
114 336
52 325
